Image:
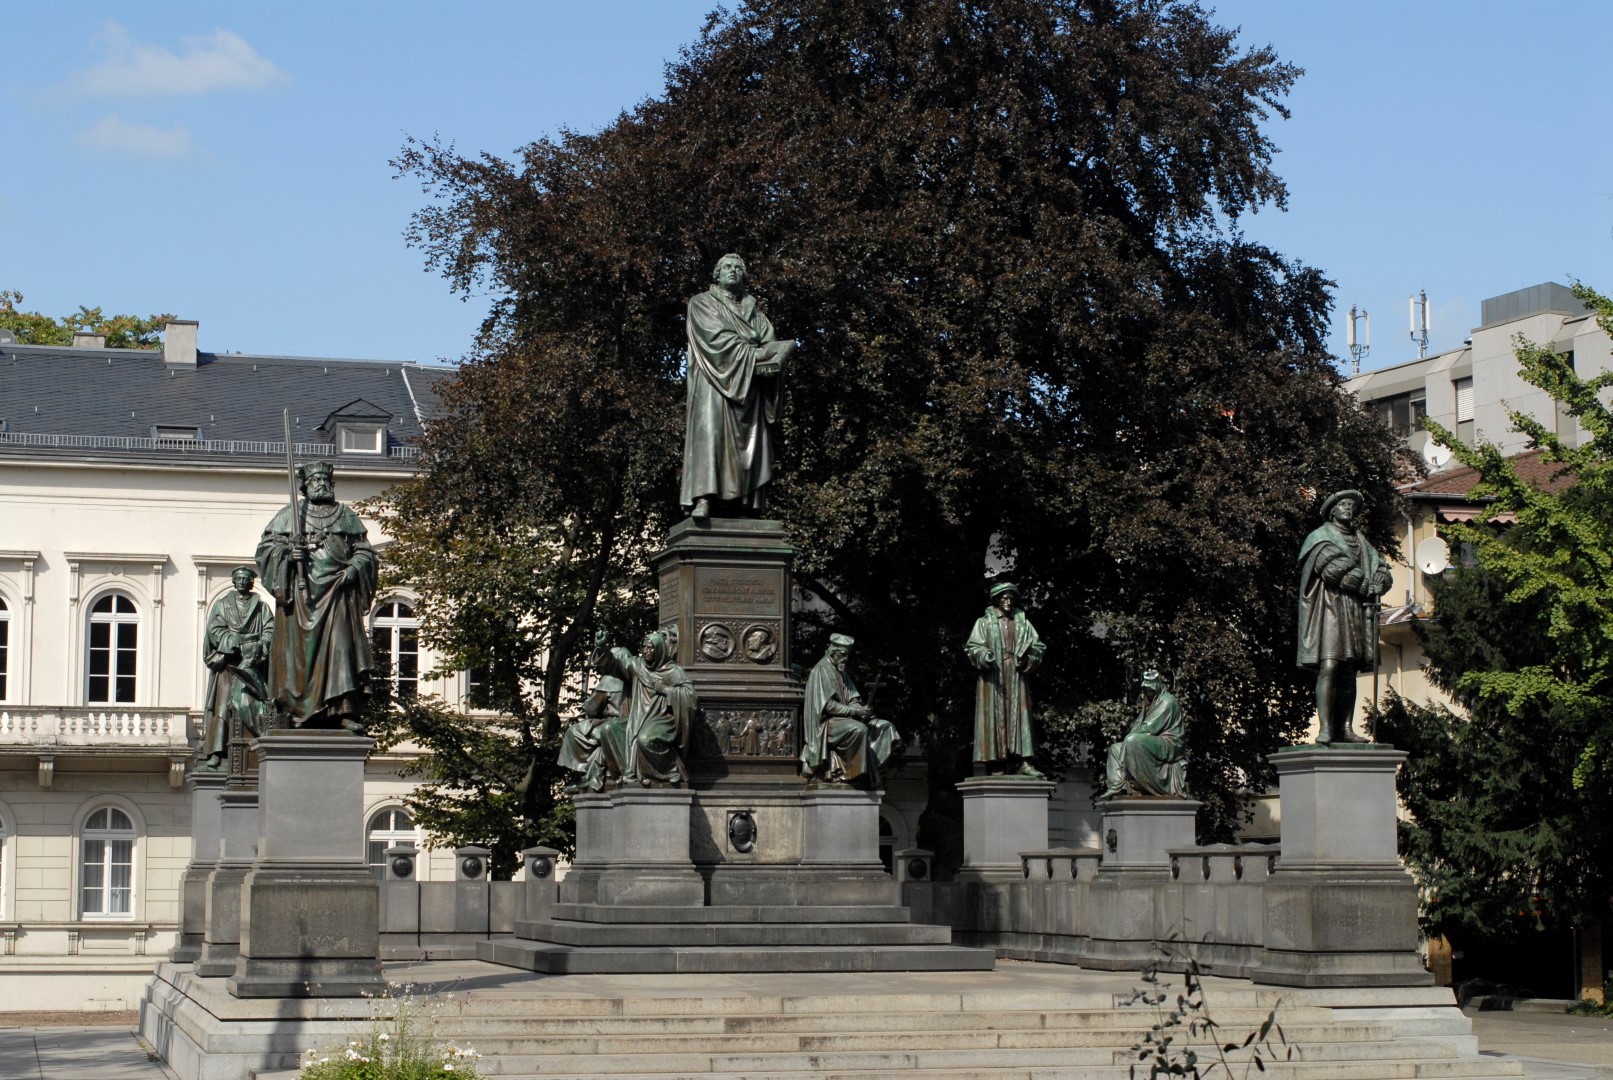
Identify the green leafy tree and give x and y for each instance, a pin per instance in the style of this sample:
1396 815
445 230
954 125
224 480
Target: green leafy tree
122 331
1510 824
1033 337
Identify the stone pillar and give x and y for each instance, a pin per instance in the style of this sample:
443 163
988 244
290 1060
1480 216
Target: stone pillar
1002 816
1339 909
237 847
1139 834
633 848
204 837
310 907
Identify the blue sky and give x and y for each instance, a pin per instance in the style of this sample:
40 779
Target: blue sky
228 163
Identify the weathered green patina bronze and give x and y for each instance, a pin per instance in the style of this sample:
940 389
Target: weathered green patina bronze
594 744
659 706
842 741
236 644
1151 759
1341 578
1004 648
735 385
317 562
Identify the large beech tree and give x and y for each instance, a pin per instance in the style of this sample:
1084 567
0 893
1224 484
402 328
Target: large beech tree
1034 340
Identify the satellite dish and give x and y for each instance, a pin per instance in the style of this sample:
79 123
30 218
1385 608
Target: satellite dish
1436 454
1433 556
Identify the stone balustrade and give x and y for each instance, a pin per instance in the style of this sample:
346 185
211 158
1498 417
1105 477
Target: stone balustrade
53 727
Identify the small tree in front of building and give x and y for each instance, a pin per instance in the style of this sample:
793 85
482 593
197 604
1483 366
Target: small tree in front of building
1509 828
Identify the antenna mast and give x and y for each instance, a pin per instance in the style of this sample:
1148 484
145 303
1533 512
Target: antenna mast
1419 322
1359 346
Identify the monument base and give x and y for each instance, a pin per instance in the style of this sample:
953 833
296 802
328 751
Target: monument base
308 932
1002 816
205 827
1140 834
221 943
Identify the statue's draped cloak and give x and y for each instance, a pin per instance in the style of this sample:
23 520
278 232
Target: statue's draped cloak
728 444
1150 756
595 744
321 660
830 735
1002 700
1334 623
238 639
660 707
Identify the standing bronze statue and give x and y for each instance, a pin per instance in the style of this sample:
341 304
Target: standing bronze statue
842 741
317 562
240 631
659 704
1150 759
735 386
1004 648
1341 578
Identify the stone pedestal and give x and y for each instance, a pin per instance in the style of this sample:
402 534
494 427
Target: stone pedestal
237 846
1140 834
633 849
840 828
1002 816
310 907
204 842
725 589
1339 909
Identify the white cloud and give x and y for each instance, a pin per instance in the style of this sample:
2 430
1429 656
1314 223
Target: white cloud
116 136
221 60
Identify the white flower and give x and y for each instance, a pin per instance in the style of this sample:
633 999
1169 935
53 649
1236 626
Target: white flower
385 1037
448 1067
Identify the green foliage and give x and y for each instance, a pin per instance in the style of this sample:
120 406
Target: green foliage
1002 234
1509 824
122 331
1185 1040
394 1048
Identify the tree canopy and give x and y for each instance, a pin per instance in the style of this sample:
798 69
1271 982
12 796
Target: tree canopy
122 331
1035 344
1509 804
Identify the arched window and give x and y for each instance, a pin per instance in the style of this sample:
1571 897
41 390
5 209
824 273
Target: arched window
390 828
396 633
5 649
106 870
114 644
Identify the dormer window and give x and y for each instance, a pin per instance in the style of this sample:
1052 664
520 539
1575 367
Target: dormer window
362 440
359 427
176 433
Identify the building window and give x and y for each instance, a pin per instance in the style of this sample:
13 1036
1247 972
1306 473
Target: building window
114 639
388 829
396 633
106 872
2 867
362 440
1402 411
5 647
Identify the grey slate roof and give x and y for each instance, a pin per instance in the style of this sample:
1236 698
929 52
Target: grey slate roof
118 396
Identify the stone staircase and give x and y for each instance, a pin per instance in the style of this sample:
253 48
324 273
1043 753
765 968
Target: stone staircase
926 1034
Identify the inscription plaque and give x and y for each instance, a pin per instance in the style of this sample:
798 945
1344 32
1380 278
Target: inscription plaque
722 590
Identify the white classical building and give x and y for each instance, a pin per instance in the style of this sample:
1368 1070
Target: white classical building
131 483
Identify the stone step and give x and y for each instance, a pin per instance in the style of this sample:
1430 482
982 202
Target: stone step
734 913
567 960
1076 1022
722 935
1094 1063
1316 1041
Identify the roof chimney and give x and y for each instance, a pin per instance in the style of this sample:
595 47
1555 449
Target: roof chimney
84 339
179 342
